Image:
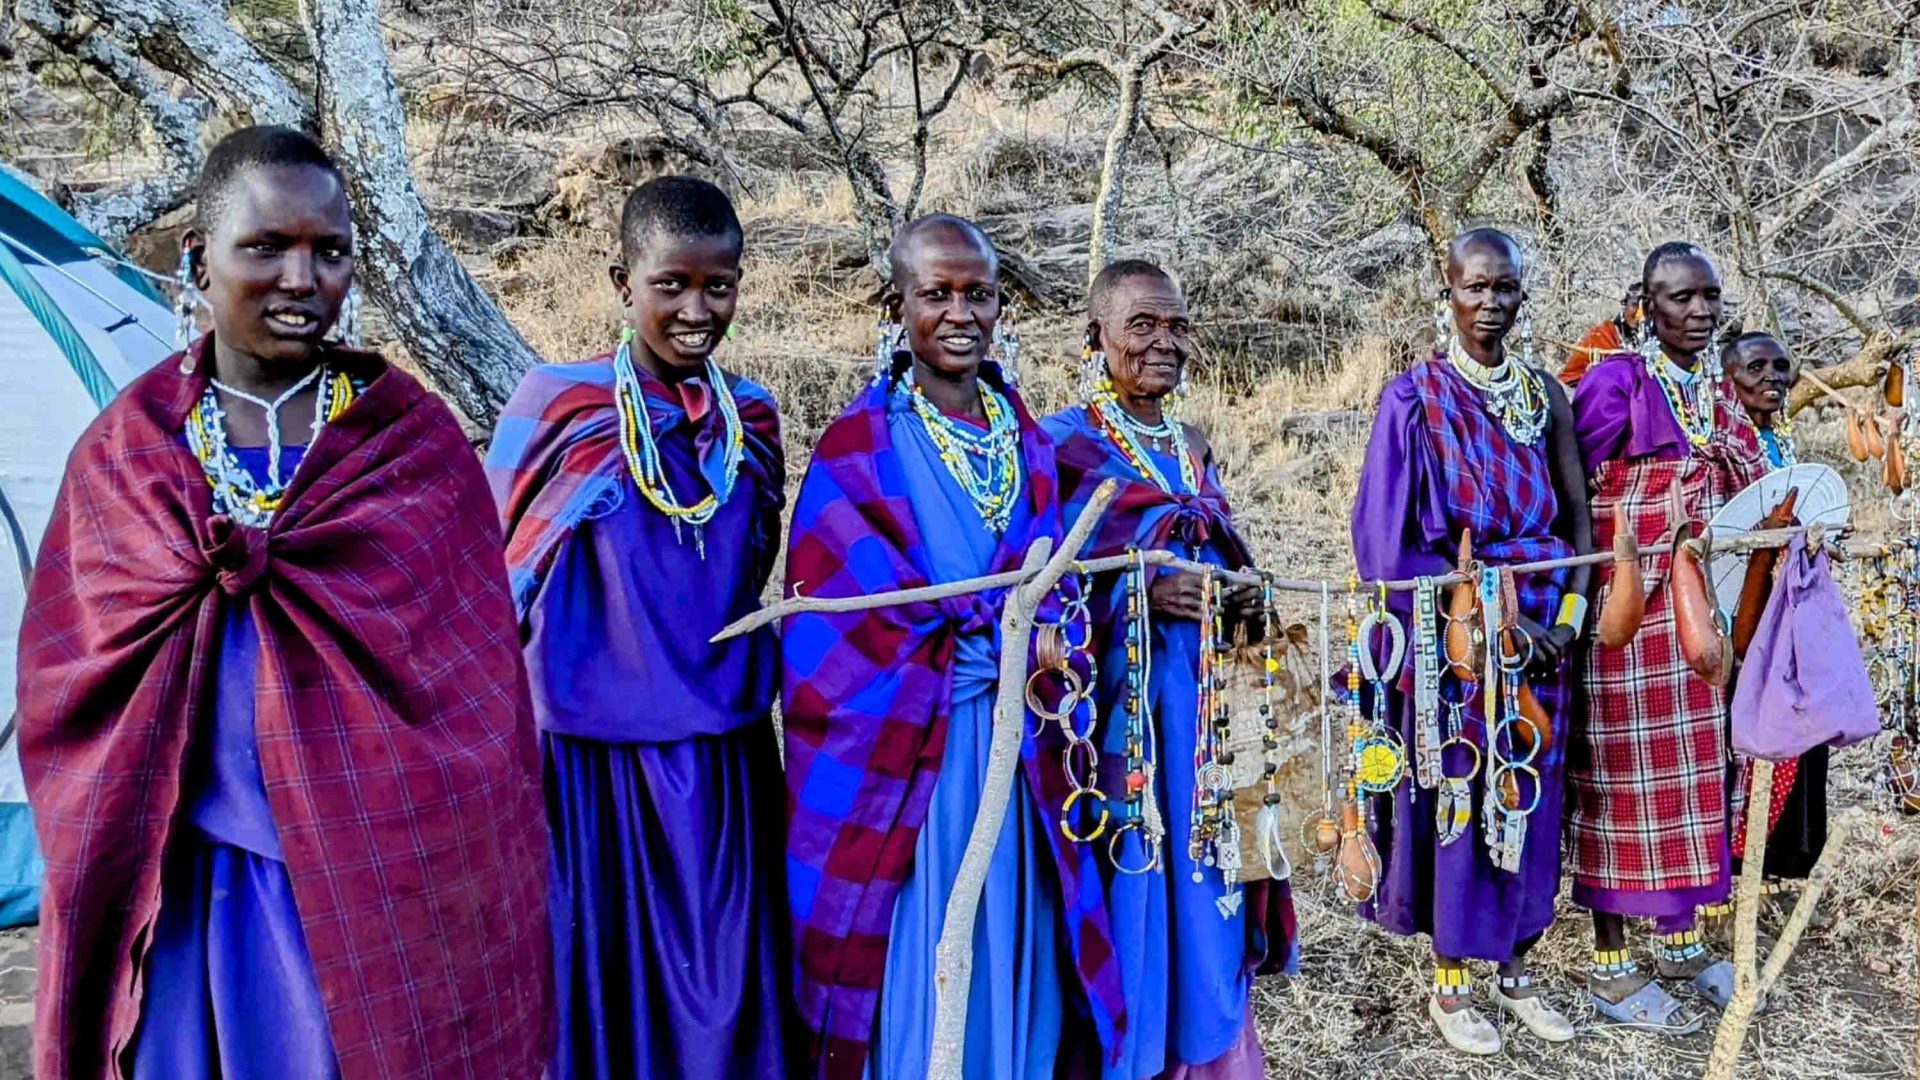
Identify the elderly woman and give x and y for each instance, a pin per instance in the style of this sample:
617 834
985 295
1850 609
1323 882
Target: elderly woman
1647 775
1186 962
273 718
1762 374
1476 440
935 473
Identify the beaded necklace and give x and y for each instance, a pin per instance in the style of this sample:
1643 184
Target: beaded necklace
1514 393
1691 402
993 483
235 492
1130 434
643 456
1779 440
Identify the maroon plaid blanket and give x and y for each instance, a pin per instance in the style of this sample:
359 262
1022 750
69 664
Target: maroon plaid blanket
393 722
1647 769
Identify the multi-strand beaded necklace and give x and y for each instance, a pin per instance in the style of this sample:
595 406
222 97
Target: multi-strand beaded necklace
1514 393
986 464
643 456
1131 437
235 492
1690 395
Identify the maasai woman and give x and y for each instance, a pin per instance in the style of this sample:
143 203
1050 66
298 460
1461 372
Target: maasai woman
1762 374
1478 441
1604 338
1187 948
935 473
1647 771
642 493
274 724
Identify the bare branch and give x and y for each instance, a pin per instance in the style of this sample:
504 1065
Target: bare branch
1496 82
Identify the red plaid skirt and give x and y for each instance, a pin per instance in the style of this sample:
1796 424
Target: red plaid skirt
1646 769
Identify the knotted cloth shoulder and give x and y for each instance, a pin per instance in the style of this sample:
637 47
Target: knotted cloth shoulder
392 715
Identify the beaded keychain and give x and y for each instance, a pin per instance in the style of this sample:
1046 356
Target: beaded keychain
1427 771
1214 837
1273 850
1321 832
1380 758
1504 816
1140 812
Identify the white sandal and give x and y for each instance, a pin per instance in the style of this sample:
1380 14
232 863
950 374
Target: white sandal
1539 1017
1466 1030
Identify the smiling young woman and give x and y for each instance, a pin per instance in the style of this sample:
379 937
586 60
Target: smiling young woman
936 472
256 868
642 492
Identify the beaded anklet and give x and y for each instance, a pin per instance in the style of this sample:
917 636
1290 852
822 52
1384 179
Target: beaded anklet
1452 982
1522 981
1612 964
1681 947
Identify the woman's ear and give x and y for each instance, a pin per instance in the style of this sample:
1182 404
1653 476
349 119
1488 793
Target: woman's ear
622 282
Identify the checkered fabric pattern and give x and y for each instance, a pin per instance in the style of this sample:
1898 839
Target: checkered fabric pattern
866 701
1647 773
393 721
556 461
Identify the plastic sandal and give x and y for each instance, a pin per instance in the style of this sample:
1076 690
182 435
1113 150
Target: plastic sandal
1649 1008
1715 983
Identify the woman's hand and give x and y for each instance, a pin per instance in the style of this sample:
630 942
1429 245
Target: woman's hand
1551 646
1244 607
1175 594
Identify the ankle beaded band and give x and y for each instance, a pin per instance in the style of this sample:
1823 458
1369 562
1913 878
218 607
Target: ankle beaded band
1613 963
1452 982
1681 947
1516 982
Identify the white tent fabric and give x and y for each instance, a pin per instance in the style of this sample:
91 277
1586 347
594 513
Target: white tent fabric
49 405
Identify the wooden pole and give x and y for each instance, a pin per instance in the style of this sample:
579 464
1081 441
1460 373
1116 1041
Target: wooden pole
796 605
953 958
1746 979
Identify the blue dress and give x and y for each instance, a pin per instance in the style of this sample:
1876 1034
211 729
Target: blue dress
1015 1010
230 989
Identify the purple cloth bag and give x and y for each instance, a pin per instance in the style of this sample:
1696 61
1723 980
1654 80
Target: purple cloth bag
1804 682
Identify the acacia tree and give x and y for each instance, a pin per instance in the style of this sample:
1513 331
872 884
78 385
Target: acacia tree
183 62
1442 102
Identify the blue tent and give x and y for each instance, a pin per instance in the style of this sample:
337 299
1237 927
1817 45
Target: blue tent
77 323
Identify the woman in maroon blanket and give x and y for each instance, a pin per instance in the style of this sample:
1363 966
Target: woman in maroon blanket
273 717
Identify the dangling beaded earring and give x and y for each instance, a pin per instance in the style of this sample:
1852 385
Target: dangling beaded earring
1093 371
1441 324
347 326
1525 319
1006 347
1648 345
188 303
891 334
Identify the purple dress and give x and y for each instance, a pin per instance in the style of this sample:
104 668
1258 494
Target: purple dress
663 785
1438 462
230 989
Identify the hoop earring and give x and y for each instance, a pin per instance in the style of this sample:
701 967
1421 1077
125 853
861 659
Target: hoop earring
189 302
891 335
1006 347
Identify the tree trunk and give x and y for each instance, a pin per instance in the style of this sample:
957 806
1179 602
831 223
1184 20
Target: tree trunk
1113 169
449 325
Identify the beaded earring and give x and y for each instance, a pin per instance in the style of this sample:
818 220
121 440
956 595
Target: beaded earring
1442 326
1006 347
188 303
347 326
1525 321
1648 346
892 334
1094 382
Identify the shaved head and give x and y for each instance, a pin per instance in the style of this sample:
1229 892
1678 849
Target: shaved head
917 235
1113 275
1483 240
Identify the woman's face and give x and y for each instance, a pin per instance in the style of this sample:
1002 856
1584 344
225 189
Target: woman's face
947 301
678 294
1762 373
1146 335
276 263
1683 303
1484 293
